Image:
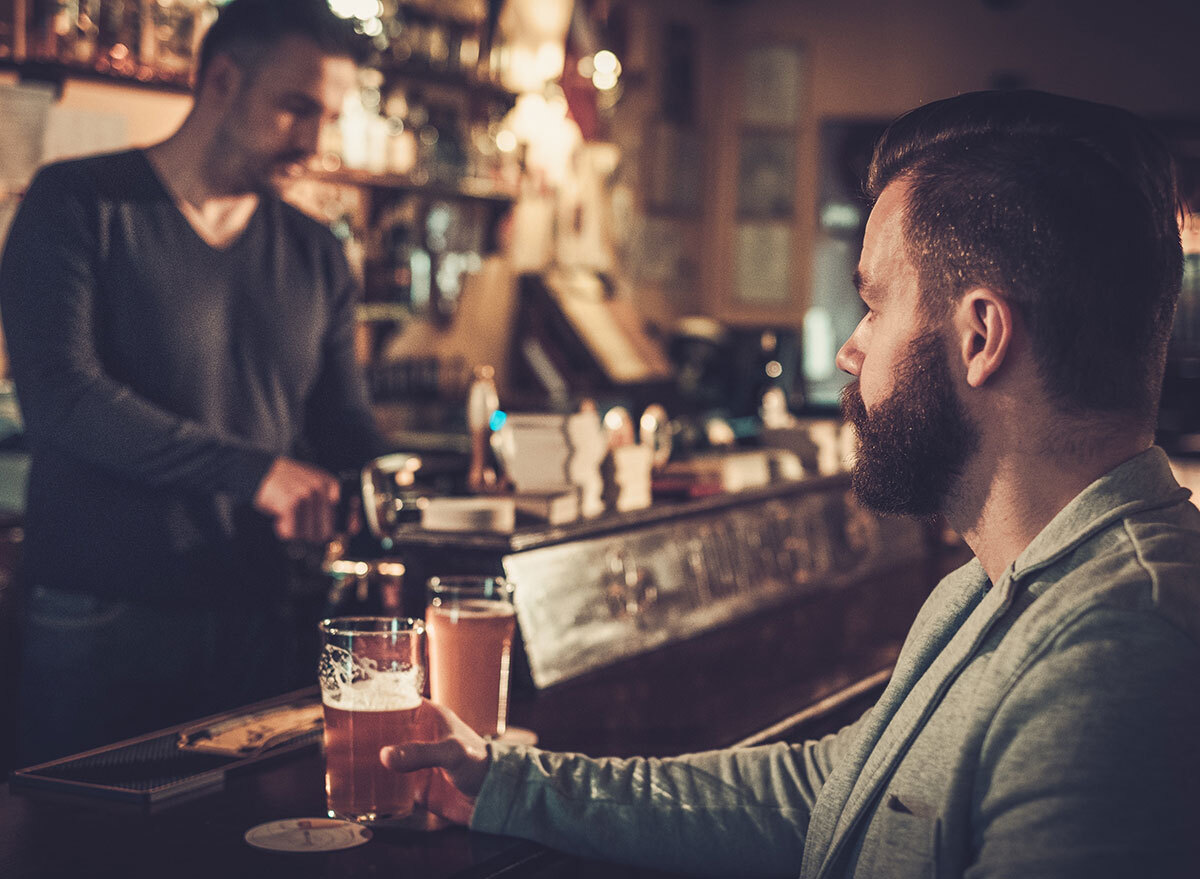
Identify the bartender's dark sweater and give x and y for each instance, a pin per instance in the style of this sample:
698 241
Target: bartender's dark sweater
159 377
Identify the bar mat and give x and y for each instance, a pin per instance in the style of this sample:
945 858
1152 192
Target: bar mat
156 767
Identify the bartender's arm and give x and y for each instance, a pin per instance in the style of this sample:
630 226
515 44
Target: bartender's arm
47 295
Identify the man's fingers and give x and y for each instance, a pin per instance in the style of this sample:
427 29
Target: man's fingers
324 517
302 499
285 524
445 754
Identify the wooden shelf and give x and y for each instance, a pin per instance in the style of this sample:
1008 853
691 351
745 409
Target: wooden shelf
464 190
56 73
382 312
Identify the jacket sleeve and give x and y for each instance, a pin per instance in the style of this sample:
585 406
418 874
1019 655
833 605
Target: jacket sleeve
720 813
48 294
1091 767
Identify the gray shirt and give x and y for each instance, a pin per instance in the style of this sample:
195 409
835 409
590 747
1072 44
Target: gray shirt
1044 726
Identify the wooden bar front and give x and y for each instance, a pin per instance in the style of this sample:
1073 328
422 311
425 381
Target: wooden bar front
793 666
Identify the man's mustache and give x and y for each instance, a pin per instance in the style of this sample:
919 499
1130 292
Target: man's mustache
851 403
292 157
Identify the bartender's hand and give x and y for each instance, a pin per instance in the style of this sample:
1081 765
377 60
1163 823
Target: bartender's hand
302 500
457 755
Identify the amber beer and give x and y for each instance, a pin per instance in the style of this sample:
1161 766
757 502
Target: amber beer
471 623
372 673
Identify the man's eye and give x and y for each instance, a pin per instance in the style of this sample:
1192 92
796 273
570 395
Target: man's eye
300 108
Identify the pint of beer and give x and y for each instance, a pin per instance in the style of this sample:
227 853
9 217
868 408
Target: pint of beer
471 623
372 676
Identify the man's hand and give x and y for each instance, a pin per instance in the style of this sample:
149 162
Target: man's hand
457 756
300 498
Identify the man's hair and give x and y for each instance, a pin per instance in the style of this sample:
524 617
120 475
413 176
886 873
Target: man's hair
247 29
1067 208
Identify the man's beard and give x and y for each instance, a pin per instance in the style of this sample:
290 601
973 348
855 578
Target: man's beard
913 446
259 173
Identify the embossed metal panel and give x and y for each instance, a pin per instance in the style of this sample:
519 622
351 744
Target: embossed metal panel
590 602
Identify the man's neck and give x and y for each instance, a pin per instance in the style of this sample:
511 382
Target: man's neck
204 190
1007 500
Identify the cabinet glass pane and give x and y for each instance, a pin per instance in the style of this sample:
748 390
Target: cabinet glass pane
763 256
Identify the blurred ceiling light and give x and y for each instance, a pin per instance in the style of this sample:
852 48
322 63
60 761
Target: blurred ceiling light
360 9
533 39
540 121
604 81
606 62
603 69
506 141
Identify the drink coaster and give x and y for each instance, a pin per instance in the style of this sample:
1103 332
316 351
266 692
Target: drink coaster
307 835
518 735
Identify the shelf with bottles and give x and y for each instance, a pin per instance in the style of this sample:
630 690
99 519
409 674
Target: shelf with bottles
418 251
439 43
132 42
410 243
465 80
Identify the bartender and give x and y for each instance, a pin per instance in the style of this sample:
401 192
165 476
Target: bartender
181 343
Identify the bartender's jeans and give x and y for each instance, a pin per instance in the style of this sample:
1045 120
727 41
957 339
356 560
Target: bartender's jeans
94 671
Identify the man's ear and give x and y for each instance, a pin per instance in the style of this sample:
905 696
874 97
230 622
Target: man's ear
984 323
222 79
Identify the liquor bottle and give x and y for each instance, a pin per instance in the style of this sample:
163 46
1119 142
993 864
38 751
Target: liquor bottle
8 28
120 37
169 37
399 253
63 31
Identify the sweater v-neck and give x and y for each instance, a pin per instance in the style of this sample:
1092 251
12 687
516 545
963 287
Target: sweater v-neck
228 247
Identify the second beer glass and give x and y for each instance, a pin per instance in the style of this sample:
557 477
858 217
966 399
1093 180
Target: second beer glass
471 622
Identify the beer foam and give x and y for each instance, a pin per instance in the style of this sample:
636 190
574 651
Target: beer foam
355 684
472 609
383 691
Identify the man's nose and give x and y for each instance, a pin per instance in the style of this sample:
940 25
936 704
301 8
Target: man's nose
849 358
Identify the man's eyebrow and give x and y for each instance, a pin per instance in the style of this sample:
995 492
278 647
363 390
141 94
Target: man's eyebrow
866 287
302 99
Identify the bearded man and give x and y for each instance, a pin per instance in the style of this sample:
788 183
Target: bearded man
1020 269
182 345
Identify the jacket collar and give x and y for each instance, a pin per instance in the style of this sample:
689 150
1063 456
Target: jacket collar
966 615
1144 482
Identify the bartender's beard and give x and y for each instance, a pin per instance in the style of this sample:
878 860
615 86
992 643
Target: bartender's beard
913 446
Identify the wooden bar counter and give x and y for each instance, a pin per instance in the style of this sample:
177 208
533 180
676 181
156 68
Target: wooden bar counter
787 665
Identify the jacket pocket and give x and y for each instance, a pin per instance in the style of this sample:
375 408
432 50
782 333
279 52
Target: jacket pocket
901 840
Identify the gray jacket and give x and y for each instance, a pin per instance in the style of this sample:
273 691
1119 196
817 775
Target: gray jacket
1046 726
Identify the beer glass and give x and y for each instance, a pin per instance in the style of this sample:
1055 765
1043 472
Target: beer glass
372 675
471 624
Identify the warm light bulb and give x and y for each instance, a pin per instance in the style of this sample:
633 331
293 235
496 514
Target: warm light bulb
606 62
604 81
506 141
363 10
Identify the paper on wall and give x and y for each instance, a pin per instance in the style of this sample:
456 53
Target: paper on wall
72 132
25 110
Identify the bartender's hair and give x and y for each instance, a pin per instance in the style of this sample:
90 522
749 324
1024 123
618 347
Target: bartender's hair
246 29
1066 207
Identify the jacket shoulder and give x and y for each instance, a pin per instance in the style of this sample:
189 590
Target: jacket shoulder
108 176
1145 565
